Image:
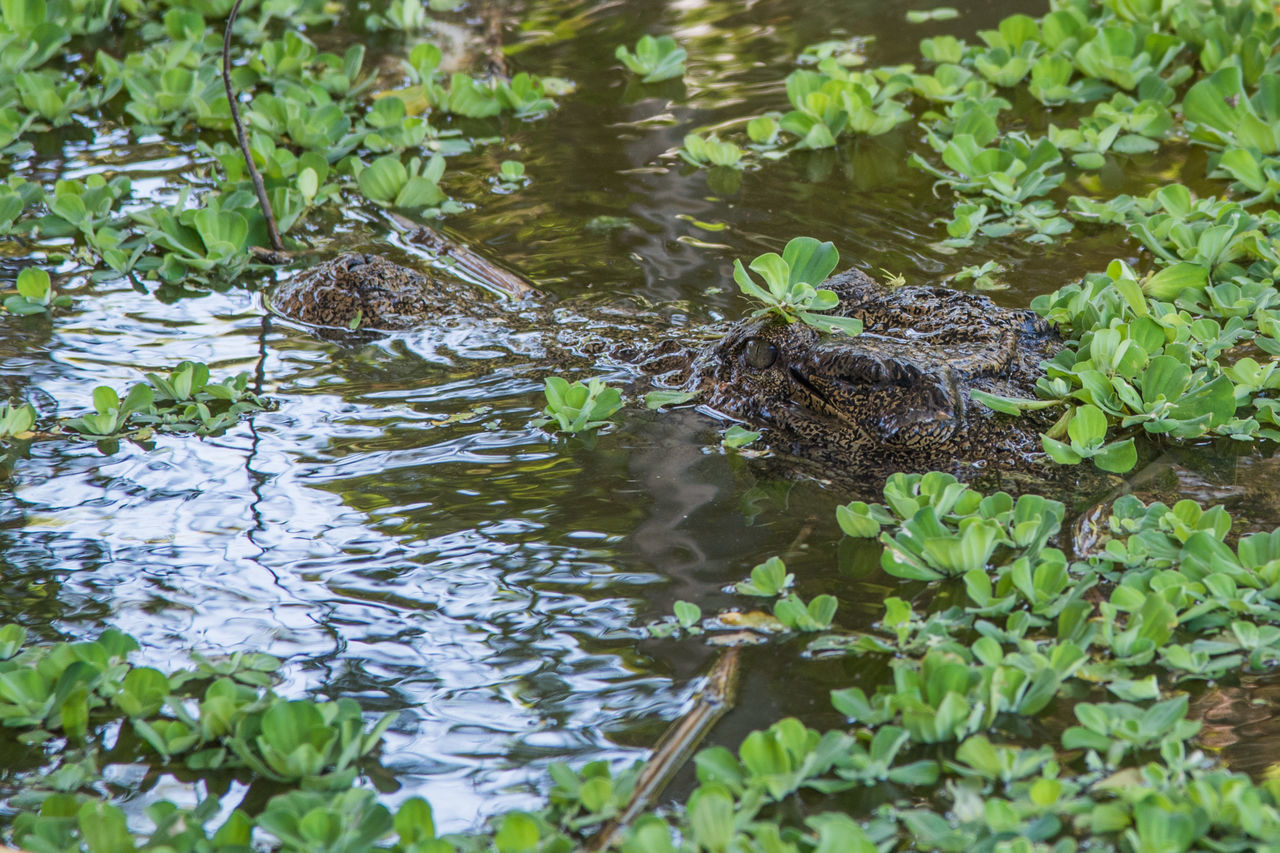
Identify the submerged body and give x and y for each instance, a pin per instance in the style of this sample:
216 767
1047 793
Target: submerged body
896 397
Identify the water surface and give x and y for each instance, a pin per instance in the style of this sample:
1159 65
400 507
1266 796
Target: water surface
397 532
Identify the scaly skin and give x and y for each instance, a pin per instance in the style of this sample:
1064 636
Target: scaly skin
894 398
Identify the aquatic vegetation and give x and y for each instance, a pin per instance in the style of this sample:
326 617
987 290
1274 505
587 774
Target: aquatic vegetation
739 436
578 407
35 294
1008 635
1130 63
315 129
768 579
941 13
792 612
941 740
185 401
832 99
388 181
847 52
1222 114
710 151
1158 353
654 59
792 280
16 421
511 176
110 413
985 277
658 399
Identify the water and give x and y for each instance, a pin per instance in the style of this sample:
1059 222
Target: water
398 533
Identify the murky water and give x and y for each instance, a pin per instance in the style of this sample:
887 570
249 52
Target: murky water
398 533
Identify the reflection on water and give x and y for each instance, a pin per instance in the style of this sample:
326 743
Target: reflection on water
398 533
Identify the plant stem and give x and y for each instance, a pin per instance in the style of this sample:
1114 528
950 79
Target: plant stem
273 233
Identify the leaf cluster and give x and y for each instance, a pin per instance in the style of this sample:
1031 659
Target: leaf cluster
185 401
578 407
792 280
654 59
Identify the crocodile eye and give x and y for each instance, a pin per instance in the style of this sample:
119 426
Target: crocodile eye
759 353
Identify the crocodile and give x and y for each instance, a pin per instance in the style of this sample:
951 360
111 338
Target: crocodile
896 397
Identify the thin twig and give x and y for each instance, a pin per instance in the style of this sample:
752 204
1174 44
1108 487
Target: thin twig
273 233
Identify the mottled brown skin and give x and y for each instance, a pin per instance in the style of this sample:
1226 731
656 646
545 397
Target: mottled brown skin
363 291
896 397
893 398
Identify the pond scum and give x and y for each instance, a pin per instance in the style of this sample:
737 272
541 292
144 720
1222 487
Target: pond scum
1082 644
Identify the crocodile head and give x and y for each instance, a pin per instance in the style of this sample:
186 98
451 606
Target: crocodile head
898 394
815 389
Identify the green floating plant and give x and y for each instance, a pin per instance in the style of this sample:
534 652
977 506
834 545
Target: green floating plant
654 59
739 436
792 280
941 13
711 151
577 407
184 402
111 414
304 740
388 181
1087 434
768 579
202 240
657 399
511 171
16 421
793 613
1221 113
688 616
833 100
35 294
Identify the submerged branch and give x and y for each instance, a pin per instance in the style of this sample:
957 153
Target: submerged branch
466 260
676 745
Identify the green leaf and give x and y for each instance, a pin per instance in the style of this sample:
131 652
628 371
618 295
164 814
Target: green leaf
941 13
1117 457
33 285
1087 427
656 59
415 822
739 436
1010 405
12 638
1060 452
104 828
517 833
143 692
687 614
776 273
851 326
658 399
383 179
809 261
710 810
1167 283
855 520
768 579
